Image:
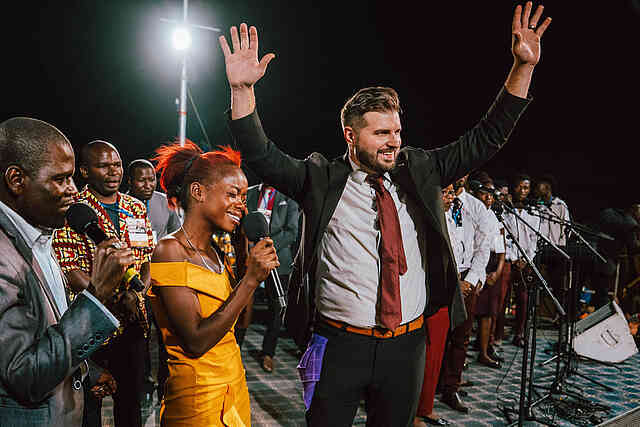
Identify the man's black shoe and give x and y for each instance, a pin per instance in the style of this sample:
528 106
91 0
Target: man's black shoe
493 353
435 422
454 401
488 362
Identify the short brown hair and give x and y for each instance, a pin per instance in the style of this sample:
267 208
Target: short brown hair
380 99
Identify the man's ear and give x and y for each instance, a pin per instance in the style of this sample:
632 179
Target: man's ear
14 179
349 135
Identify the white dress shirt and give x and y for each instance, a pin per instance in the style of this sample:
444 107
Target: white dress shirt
40 242
477 239
497 245
348 273
525 236
555 232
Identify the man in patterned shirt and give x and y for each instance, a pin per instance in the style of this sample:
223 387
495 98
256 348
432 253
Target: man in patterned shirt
125 218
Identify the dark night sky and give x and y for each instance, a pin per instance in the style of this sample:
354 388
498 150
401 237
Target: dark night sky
105 69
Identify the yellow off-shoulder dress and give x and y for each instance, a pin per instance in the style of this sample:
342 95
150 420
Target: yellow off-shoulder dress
210 390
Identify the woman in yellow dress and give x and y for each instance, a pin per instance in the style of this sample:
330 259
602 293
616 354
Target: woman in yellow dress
195 297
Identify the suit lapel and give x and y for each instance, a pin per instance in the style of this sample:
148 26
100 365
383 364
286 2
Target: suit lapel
252 198
422 191
276 217
26 253
338 174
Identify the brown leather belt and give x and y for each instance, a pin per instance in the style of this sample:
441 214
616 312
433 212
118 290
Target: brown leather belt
377 332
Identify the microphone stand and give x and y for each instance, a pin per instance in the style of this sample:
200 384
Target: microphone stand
281 298
566 351
526 405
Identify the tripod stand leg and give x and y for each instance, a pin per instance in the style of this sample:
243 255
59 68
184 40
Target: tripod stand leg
533 292
551 359
604 386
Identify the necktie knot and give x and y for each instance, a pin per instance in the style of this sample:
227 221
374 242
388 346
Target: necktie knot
376 182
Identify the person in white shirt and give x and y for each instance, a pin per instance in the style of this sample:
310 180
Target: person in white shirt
516 229
475 241
489 300
551 207
552 266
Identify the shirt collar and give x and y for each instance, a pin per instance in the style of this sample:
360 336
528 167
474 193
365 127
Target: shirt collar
30 233
360 176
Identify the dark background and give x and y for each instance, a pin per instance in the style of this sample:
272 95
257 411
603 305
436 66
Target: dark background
106 69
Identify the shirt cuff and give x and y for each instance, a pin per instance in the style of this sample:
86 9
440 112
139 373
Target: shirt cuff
106 312
474 277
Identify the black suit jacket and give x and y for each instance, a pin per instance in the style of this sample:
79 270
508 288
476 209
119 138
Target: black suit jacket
317 185
283 227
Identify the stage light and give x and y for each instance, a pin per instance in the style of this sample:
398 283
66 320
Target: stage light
181 38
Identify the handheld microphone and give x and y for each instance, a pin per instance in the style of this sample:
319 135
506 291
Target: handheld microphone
83 220
256 228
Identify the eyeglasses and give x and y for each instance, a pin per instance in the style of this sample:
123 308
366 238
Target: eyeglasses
448 193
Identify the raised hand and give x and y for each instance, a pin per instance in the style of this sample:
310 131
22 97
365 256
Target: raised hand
242 65
526 34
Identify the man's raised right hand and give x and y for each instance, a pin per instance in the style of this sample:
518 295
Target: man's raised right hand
242 65
110 261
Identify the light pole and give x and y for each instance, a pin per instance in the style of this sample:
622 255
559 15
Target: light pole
181 39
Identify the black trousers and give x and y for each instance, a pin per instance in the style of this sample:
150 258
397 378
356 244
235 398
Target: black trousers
124 358
274 320
387 373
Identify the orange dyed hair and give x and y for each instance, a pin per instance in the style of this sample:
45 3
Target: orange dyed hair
180 166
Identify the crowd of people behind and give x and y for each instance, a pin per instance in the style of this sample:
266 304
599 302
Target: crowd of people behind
398 253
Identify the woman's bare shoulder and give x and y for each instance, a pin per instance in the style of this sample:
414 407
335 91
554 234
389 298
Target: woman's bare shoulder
169 249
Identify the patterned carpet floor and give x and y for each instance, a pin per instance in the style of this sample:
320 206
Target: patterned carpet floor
276 398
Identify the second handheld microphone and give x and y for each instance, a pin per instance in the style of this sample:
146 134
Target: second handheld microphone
83 220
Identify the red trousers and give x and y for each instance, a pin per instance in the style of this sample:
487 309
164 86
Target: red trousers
437 326
456 349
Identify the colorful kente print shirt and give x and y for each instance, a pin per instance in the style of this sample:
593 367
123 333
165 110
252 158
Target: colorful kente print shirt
76 251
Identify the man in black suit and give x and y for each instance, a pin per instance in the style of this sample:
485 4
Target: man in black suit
375 244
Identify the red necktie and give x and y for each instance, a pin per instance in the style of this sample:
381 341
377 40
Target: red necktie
268 195
393 263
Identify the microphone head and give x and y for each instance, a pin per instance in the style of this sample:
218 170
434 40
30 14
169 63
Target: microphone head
475 185
79 216
255 226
